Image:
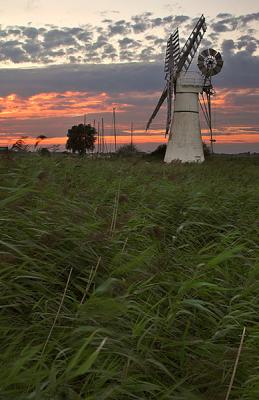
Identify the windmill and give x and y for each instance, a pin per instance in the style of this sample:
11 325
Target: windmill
182 89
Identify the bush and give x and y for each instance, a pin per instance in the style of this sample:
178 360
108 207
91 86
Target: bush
44 151
127 150
206 150
159 152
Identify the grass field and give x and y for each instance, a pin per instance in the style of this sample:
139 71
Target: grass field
128 279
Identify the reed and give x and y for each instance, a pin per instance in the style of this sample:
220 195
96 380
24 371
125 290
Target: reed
153 310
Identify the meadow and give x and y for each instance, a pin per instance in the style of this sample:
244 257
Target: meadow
128 279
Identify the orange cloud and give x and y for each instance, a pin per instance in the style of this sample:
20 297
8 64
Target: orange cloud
19 116
47 105
236 100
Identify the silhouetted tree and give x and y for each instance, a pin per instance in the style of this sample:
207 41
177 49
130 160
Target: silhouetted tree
81 138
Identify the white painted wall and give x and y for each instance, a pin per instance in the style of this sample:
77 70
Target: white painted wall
185 143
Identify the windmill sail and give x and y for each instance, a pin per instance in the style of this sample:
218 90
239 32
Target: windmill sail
159 104
171 61
169 106
172 54
175 62
189 50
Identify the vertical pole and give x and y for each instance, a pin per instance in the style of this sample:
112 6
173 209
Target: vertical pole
94 123
210 122
131 136
98 137
84 129
114 129
102 135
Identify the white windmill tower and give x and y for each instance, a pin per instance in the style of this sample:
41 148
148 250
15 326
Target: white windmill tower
185 142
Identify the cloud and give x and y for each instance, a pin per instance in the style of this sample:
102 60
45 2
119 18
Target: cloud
127 43
54 104
228 22
120 27
107 78
50 44
56 38
240 67
12 51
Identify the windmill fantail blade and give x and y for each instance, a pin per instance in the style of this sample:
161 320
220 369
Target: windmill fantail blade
210 62
205 53
212 52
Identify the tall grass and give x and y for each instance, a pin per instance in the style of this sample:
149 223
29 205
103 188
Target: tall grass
165 276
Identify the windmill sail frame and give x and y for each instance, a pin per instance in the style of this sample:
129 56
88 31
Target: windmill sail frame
175 62
191 46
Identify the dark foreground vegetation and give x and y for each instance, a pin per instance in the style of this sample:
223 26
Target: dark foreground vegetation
128 279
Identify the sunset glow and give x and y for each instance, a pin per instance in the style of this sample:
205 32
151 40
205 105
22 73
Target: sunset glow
47 105
94 59
53 105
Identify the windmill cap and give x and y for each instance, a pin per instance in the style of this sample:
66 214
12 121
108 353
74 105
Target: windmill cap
190 79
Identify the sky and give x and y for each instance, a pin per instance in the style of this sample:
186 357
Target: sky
60 62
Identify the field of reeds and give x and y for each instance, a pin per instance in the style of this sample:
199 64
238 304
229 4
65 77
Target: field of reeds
128 279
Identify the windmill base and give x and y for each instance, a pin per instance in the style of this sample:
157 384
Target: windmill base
185 143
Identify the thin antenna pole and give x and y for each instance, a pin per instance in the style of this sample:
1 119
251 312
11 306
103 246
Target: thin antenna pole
94 123
210 122
131 135
103 136
84 122
84 128
98 137
208 93
114 129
